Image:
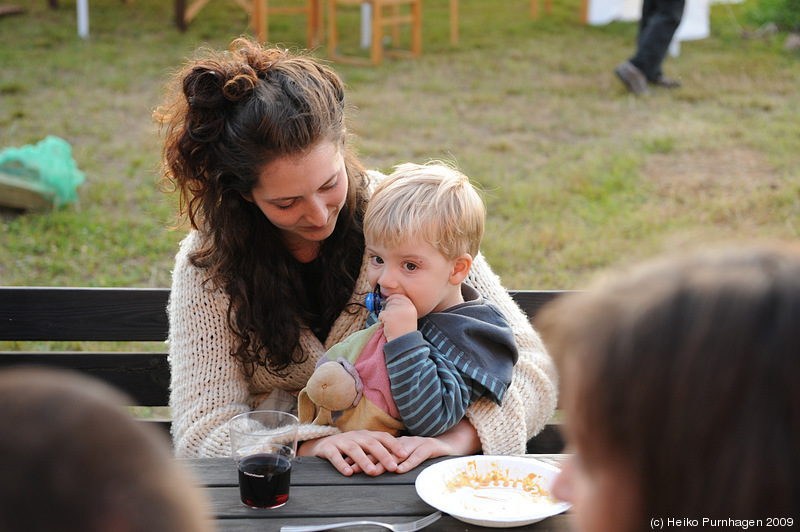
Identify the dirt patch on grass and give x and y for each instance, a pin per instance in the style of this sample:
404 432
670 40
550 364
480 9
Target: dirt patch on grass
729 171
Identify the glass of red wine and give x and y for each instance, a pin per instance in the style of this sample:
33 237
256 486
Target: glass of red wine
264 443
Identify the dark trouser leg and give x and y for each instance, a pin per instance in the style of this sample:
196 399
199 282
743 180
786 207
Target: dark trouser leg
660 19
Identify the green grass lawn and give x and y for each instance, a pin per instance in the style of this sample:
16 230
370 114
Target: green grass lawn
578 174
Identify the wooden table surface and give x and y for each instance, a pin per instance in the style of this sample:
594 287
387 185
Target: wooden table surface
320 494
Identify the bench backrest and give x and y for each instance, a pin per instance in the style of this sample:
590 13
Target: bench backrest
35 314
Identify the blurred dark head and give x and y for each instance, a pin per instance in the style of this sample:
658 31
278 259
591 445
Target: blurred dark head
73 459
686 369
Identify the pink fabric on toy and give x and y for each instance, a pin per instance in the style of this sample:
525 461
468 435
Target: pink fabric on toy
371 366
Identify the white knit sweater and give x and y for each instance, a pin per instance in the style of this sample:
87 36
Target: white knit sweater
208 387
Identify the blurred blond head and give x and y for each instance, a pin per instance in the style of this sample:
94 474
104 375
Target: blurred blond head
434 203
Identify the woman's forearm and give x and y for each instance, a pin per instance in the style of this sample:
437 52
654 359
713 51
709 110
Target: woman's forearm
462 438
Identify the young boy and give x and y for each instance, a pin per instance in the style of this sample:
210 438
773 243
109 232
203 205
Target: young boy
437 345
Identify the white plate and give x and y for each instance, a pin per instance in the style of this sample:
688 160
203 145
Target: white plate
463 487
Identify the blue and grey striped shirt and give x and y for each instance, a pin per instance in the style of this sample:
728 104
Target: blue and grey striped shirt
454 358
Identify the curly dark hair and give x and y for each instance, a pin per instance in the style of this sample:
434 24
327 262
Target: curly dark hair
227 114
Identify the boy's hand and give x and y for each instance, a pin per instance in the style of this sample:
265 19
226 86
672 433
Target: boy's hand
399 317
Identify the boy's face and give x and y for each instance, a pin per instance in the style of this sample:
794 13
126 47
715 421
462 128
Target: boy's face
601 485
604 496
418 271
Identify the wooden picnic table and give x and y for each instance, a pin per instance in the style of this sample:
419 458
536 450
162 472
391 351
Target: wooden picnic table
320 494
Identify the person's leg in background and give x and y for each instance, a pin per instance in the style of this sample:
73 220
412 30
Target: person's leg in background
660 19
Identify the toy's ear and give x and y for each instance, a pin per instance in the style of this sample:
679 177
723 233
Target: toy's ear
306 409
461 266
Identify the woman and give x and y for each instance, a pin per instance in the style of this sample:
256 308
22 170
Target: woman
273 272
680 392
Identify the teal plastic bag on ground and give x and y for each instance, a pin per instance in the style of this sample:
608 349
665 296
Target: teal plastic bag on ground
47 165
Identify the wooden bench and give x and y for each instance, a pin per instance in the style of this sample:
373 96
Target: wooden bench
131 316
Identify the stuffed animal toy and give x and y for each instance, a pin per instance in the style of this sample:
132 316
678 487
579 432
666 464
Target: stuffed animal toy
350 388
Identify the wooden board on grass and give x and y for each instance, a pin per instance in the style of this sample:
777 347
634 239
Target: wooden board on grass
7 9
16 193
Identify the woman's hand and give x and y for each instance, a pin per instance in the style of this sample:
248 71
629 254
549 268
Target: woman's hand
374 453
460 440
369 451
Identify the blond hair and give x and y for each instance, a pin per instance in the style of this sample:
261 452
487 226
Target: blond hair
433 202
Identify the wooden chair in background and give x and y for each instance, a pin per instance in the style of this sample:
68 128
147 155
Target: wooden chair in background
384 13
259 11
548 5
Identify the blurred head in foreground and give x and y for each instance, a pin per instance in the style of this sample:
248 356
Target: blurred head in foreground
680 390
72 459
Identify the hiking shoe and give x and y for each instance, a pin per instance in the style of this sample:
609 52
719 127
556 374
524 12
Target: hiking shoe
632 77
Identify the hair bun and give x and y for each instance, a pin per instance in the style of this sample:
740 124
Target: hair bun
240 85
203 88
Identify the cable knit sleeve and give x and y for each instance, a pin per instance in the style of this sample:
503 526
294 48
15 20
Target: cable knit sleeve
206 388
531 398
